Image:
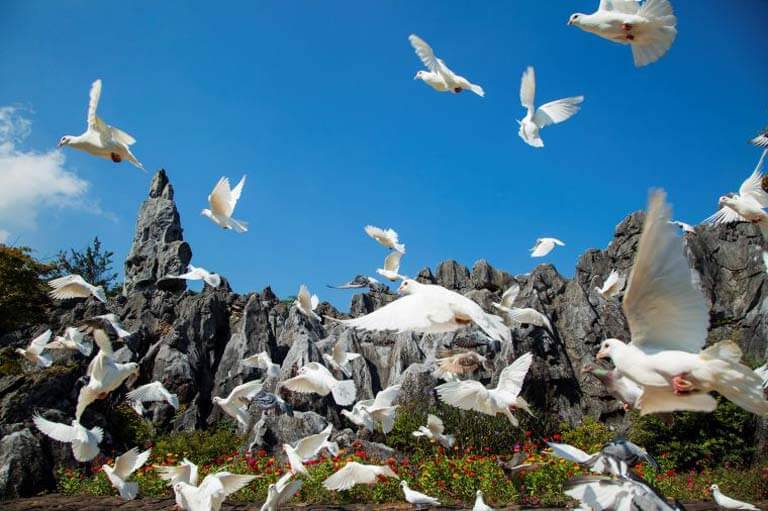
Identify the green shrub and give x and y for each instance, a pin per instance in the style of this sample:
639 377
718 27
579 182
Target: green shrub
202 446
23 293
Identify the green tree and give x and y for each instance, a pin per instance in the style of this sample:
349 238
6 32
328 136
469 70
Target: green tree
23 291
94 264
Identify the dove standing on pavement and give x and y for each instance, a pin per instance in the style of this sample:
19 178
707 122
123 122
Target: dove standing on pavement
306 303
314 378
150 392
75 286
101 139
428 308
223 200
439 76
553 112
434 431
544 246
34 352
73 339
339 359
184 472
668 322
212 492
236 403
264 362
391 270
85 442
726 502
308 448
385 237
198 273
281 492
354 473
612 286
650 28
125 465
416 498
480 504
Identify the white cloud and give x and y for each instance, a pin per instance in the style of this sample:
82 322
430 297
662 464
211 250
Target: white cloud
4 235
29 180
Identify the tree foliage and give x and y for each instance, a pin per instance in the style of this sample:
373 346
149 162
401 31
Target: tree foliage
23 291
94 264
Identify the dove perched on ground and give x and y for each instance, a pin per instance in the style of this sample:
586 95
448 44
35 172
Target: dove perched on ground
281 492
34 352
223 201
314 378
264 362
668 322
212 492
85 442
339 359
439 76
688 228
73 339
125 465
354 473
726 502
472 395
391 270
458 362
75 286
198 273
544 246
380 410
104 376
747 205
268 401
149 392
307 304
236 403
480 504
387 238
434 431
762 139
525 315
427 308
600 493
359 282
612 286
416 498
553 112
620 387
184 472
650 28
308 448
101 139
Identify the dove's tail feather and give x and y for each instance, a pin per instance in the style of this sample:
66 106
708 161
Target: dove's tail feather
85 451
664 400
344 392
743 387
477 89
448 441
129 491
238 225
387 418
654 38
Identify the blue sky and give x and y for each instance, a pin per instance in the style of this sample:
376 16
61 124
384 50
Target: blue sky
316 103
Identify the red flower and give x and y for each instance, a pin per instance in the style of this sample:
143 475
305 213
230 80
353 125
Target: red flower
556 437
360 454
527 434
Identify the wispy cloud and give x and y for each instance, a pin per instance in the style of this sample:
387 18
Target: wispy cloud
31 181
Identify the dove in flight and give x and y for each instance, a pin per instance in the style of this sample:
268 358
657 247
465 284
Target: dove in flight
747 205
101 139
198 273
358 282
339 359
553 112
184 472
472 395
354 473
223 200
75 286
381 410
480 504
726 502
281 492
602 493
434 431
599 462
34 352
620 387
762 372
114 322
212 492
650 28
308 448
544 246
761 140
668 322
306 303
416 498
264 362
524 315
104 376
150 392
457 362
85 442
386 237
236 403
268 401
125 465
428 308
391 270
73 339
612 286
315 378
439 76
688 228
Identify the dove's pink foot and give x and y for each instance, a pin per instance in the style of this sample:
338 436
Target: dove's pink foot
626 407
457 89
116 157
681 385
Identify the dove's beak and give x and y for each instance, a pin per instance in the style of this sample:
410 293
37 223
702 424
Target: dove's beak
601 354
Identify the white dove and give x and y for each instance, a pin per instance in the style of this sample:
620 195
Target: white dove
112 319
306 303
281 492
762 372
416 498
601 493
184 472
75 286
315 378
597 462
73 339
34 352
387 238
223 201
726 502
668 320
85 442
198 273
428 308
682 225
308 448
359 415
472 395
125 465
544 246
149 392
649 28
354 473
391 270
236 403
212 492
747 205
553 112
381 410
620 387
101 139
521 314
762 139
104 376
358 282
339 359
434 432
612 286
439 76
480 504
264 362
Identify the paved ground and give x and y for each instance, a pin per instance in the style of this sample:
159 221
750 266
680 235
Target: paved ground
62 503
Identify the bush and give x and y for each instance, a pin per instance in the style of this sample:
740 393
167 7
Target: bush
23 293
93 264
202 446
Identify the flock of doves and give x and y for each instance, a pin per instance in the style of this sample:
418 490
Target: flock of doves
666 366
